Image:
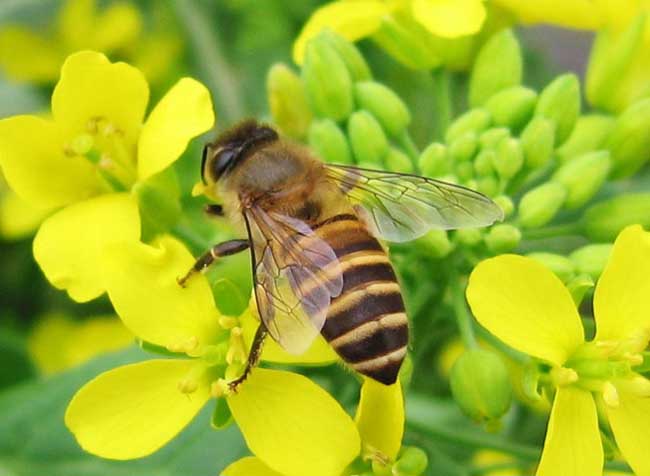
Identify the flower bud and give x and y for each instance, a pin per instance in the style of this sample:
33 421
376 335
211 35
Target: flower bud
490 138
369 143
560 102
562 266
350 55
509 158
537 140
404 43
474 120
465 172
435 244
590 133
329 142
288 101
480 385
591 259
579 286
629 141
398 161
412 461
158 201
512 107
384 104
539 205
463 148
468 236
505 203
583 177
327 81
605 220
483 162
502 238
498 66
487 185
434 160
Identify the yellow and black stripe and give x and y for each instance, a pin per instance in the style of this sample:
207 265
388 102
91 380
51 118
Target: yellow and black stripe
366 324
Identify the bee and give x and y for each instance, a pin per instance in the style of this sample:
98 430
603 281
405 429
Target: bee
314 232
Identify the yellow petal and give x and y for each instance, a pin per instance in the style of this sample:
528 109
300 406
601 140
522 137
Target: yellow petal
293 425
184 113
19 219
118 26
26 56
320 351
380 417
572 446
622 296
131 411
580 14
630 422
526 306
91 87
352 20
450 18
249 466
141 283
36 168
69 244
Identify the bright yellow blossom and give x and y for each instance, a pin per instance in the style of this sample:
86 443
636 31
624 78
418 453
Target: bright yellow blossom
288 422
18 219
527 306
86 160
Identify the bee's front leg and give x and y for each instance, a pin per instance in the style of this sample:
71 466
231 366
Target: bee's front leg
226 248
253 357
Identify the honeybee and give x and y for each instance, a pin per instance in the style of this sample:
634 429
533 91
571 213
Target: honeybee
314 230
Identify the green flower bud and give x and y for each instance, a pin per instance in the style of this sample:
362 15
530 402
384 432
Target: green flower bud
463 148
384 104
509 158
350 55
480 385
560 102
435 244
327 81
434 160
579 286
537 140
539 205
490 138
505 203
498 66
158 201
329 142
591 259
488 185
502 238
483 162
590 133
474 120
512 107
605 220
562 266
403 42
465 172
369 143
629 141
468 236
412 461
288 101
583 177
398 161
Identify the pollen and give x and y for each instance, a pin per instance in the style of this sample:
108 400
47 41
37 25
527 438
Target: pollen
186 347
566 376
610 395
228 322
219 388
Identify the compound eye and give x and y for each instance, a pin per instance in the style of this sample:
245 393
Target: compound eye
223 160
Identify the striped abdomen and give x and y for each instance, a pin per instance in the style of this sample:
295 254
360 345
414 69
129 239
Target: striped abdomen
366 324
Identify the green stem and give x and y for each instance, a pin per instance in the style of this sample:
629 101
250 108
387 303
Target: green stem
406 143
461 312
442 101
553 231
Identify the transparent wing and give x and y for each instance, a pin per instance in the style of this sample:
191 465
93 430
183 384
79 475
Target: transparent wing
402 207
296 274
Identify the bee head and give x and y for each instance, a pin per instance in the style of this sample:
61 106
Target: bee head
232 147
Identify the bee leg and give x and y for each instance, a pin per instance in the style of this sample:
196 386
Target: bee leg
214 210
226 248
253 357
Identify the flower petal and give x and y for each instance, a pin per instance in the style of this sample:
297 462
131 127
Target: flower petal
185 112
622 296
352 20
36 168
141 283
118 26
69 244
630 422
131 411
574 14
19 219
92 87
572 438
249 466
293 425
380 417
27 57
450 18
526 306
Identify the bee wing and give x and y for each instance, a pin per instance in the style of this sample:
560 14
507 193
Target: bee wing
296 274
401 207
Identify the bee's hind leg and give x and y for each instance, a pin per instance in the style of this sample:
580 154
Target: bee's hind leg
226 248
253 358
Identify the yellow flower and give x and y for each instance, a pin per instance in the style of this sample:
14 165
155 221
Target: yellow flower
407 29
131 411
26 55
527 306
58 343
18 219
90 156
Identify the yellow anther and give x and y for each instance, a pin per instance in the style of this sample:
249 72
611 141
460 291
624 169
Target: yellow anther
633 358
565 376
186 347
187 386
219 388
228 322
610 395
81 144
236 332
607 346
640 386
